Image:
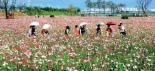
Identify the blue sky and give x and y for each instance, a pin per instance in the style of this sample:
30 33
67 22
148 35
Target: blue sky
77 3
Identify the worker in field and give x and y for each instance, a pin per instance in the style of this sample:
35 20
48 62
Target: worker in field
109 31
82 29
31 31
67 30
44 32
122 29
98 30
76 30
45 29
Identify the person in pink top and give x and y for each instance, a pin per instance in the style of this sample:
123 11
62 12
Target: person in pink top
109 31
76 30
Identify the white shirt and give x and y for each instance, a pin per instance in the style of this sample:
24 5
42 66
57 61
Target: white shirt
30 32
122 29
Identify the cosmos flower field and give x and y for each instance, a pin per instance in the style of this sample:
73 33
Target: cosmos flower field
135 52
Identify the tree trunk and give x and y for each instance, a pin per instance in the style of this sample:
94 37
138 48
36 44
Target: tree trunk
6 12
144 12
6 9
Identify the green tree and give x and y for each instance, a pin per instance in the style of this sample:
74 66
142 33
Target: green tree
72 9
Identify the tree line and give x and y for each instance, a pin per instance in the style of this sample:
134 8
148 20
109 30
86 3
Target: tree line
10 6
142 6
40 10
102 4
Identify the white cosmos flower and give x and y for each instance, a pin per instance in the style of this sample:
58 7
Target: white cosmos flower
43 56
40 62
116 62
93 65
135 67
135 60
34 60
9 67
148 59
128 65
4 64
126 70
37 67
142 70
138 56
106 56
19 62
131 60
77 62
116 66
46 60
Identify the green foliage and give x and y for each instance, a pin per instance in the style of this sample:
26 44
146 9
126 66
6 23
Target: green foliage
70 11
124 16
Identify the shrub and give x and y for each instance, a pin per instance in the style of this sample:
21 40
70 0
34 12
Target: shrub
52 16
82 15
124 17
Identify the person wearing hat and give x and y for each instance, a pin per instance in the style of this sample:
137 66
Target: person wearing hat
67 30
76 30
44 32
31 31
98 30
109 31
82 30
45 29
122 29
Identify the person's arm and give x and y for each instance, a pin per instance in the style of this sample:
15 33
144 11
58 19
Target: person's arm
68 31
80 32
29 32
107 33
111 30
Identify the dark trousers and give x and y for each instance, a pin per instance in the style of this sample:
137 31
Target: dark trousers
123 33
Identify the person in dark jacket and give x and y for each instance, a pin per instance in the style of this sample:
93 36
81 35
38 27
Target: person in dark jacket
83 29
67 30
98 30
31 31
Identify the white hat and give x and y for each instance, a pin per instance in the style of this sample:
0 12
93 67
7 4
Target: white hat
46 26
34 23
83 23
